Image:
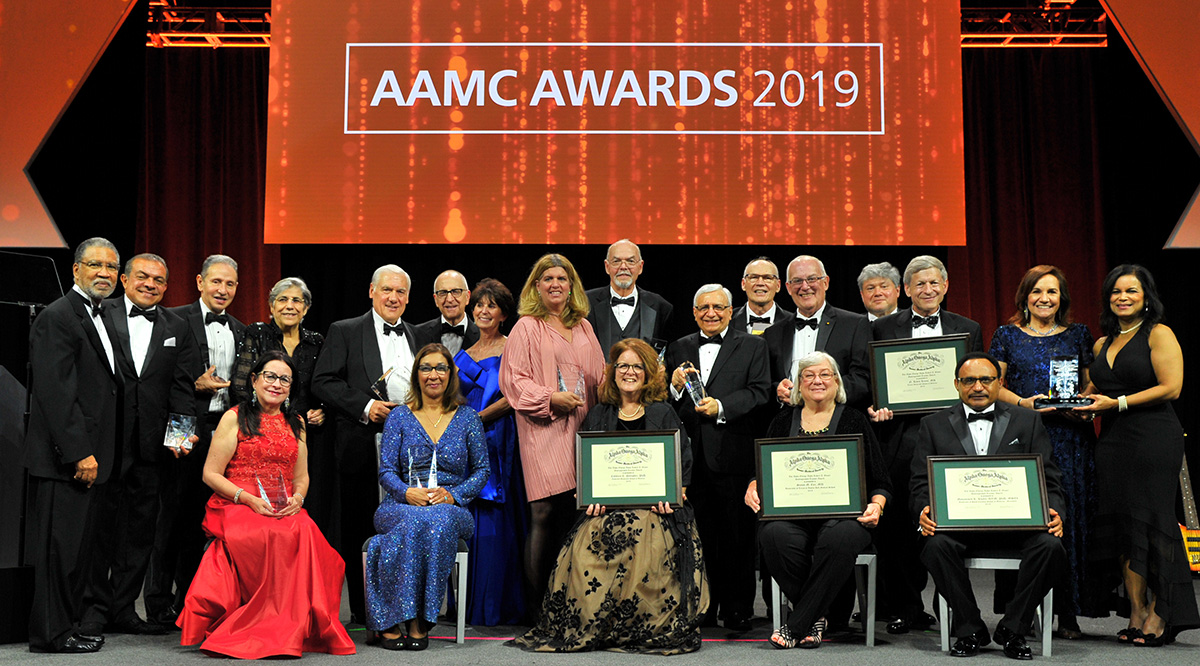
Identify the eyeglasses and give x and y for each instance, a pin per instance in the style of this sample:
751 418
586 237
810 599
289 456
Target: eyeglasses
442 293
811 280
294 300
626 367
810 377
97 265
271 378
754 277
970 381
715 308
440 368
624 261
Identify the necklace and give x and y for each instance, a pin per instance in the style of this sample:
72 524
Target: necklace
437 422
635 413
1131 329
1039 333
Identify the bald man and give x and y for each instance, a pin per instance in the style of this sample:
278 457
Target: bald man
453 327
624 310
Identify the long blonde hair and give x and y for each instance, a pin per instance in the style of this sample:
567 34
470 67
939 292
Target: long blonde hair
531 302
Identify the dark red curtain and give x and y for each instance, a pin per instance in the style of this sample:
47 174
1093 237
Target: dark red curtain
204 167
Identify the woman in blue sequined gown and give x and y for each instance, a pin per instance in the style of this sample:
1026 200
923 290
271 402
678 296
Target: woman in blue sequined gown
433 463
495 593
1039 332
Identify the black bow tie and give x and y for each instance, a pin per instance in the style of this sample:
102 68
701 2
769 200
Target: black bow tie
714 340
930 321
621 301
150 314
398 329
96 310
460 330
760 320
981 416
209 318
802 323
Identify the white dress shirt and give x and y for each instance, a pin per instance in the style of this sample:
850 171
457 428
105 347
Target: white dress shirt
98 322
222 347
140 329
804 342
770 315
449 340
981 430
623 313
925 331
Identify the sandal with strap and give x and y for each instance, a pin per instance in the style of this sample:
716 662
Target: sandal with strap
815 635
1126 635
783 638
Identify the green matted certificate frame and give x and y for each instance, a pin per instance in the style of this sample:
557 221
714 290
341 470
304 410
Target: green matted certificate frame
811 477
628 469
979 493
916 375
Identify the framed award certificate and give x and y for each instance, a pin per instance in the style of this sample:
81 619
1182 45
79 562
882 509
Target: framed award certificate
973 493
916 376
811 477
628 469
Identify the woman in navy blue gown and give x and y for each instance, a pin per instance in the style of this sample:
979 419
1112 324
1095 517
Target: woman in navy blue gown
495 594
1039 332
433 463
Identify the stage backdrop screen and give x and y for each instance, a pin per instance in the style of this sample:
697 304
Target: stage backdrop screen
689 122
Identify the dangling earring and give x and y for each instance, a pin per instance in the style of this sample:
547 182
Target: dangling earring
1027 315
287 402
254 398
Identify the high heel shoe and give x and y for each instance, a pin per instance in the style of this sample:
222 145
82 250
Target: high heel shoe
1126 635
815 635
782 638
1156 640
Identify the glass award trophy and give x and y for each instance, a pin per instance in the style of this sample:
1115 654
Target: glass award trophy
693 383
425 455
273 492
1064 385
180 429
379 388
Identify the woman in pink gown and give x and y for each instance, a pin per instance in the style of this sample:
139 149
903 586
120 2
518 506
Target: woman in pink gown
269 584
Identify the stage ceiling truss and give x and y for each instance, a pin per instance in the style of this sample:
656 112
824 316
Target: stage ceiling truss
1050 23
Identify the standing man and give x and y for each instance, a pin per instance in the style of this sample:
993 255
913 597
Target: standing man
761 282
734 369
879 286
904 575
980 426
211 340
70 446
453 328
151 359
349 379
819 326
624 310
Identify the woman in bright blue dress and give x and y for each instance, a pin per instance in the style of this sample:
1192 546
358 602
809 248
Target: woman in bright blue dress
495 593
1041 331
433 463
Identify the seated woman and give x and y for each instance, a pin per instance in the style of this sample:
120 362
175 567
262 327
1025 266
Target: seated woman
631 580
269 584
812 559
434 462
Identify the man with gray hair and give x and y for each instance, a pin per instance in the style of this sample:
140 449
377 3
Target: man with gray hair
70 446
211 342
623 309
453 328
879 286
733 368
362 373
760 281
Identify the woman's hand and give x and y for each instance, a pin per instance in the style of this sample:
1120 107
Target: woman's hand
561 401
258 504
294 504
872 514
315 416
440 495
1100 403
596 510
417 496
880 415
662 508
1029 402
751 498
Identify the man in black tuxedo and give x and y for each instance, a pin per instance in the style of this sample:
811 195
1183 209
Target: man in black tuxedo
819 326
211 339
70 446
926 283
454 327
980 426
624 310
733 368
356 354
761 282
151 359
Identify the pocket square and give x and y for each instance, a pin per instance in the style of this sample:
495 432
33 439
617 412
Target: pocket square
1014 442
169 342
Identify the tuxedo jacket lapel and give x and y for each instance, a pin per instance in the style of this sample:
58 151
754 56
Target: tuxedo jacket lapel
729 347
958 421
904 324
828 321
119 321
158 335
196 321
648 315
83 309
372 361
999 431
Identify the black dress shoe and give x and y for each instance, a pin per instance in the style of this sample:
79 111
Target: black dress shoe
967 646
902 625
75 644
1014 644
164 620
417 644
737 622
136 626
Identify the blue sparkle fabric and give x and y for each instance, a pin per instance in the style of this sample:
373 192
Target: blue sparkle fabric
1028 374
409 561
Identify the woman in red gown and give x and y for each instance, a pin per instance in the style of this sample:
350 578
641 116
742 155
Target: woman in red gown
269 584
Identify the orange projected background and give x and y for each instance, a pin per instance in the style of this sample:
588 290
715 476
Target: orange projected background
509 121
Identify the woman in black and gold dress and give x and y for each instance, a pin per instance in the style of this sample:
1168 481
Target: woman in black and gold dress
597 597
1138 371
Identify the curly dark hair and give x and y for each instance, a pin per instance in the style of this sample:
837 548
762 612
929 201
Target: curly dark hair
495 291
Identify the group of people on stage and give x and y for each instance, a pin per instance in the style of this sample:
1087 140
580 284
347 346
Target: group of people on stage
403 444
